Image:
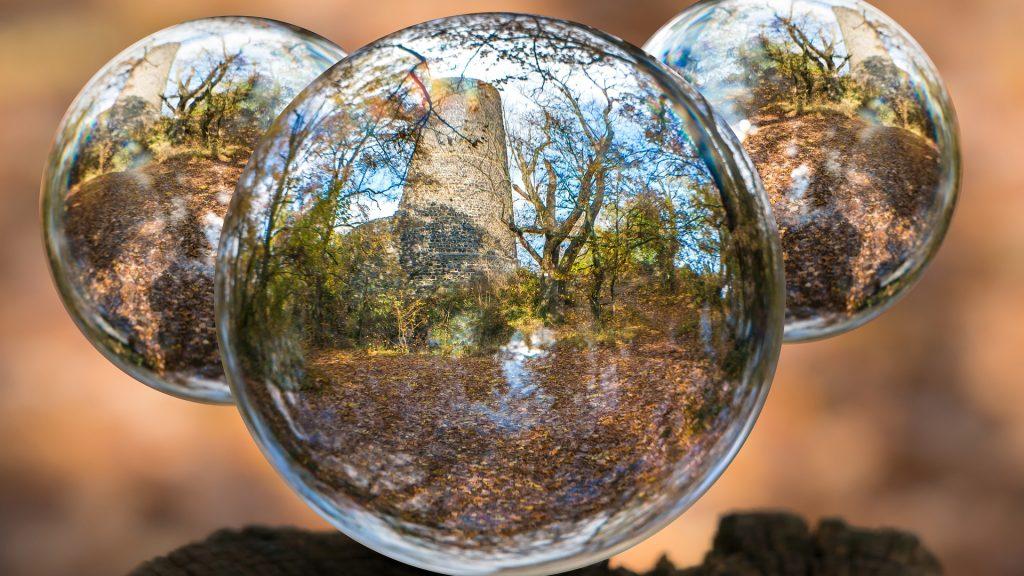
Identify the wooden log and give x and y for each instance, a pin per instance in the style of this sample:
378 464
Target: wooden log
748 544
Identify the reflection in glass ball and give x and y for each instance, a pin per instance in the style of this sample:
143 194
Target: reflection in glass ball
139 178
854 136
496 293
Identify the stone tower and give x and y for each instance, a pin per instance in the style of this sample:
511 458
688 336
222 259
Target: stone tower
452 220
862 41
148 77
870 62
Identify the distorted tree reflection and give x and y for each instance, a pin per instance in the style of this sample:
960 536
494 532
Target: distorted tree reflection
616 222
803 63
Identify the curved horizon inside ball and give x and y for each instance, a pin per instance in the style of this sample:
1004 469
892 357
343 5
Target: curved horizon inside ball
498 294
139 178
854 136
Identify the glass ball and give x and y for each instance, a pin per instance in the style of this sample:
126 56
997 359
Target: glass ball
138 182
497 293
853 134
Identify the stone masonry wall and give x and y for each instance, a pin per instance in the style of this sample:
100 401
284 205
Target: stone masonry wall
148 78
862 41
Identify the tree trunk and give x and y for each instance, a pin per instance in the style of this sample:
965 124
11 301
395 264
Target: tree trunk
551 294
597 285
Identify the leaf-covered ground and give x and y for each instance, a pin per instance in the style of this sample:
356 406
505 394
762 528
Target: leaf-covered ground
517 444
143 243
852 202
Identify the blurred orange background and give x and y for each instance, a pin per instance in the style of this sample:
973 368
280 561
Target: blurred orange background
914 421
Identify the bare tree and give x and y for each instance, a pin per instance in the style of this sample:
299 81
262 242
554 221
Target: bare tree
197 88
564 166
819 53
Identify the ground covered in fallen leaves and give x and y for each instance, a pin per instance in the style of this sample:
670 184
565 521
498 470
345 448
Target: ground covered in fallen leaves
143 243
852 200
526 444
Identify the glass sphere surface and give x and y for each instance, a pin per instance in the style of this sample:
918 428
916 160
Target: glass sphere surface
138 182
497 294
854 136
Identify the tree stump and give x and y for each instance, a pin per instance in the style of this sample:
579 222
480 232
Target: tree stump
749 544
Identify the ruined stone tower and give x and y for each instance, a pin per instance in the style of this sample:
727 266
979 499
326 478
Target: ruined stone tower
452 220
148 77
862 41
871 64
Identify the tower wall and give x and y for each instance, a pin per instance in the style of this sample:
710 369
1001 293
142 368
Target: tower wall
862 41
148 78
452 220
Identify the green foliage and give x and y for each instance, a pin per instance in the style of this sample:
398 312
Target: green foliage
788 79
520 299
796 72
221 121
348 290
